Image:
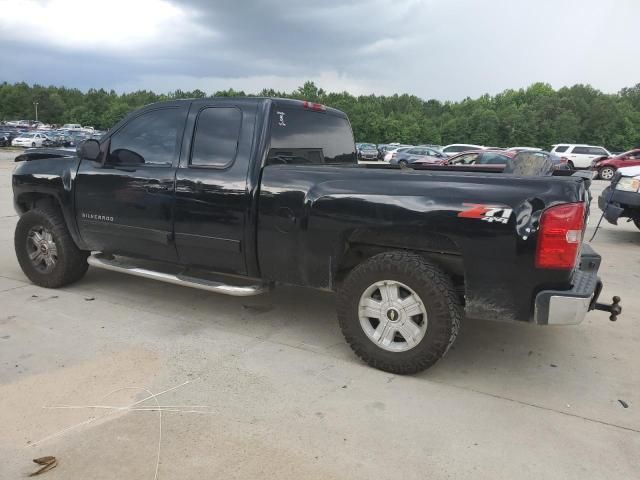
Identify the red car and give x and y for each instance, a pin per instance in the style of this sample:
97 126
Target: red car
608 166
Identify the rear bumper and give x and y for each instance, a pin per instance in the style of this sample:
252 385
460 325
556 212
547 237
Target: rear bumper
569 307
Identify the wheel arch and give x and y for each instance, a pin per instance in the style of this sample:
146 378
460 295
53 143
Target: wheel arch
435 247
27 201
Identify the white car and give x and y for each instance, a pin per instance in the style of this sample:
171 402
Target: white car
29 140
456 148
71 126
580 156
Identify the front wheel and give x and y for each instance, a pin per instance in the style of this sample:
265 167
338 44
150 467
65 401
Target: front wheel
46 252
607 173
399 312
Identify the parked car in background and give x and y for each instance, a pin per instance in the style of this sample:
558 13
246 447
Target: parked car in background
456 148
622 197
72 126
580 156
421 154
367 151
607 167
29 140
6 136
494 159
391 154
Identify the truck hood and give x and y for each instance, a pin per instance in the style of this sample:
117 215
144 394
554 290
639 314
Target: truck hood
630 171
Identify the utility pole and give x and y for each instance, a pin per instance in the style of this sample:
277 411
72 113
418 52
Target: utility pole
36 105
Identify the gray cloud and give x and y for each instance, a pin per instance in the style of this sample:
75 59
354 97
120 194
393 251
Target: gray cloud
445 50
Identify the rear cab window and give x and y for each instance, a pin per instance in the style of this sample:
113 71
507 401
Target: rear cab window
561 148
303 136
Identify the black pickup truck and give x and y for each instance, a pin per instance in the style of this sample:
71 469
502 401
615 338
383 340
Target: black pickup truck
234 195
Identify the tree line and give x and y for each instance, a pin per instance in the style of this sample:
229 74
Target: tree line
536 116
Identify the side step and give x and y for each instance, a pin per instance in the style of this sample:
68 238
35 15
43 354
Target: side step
108 262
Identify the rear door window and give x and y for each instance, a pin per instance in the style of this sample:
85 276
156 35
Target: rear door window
302 136
561 148
581 150
492 159
215 142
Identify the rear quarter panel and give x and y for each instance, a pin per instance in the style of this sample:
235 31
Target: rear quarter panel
310 216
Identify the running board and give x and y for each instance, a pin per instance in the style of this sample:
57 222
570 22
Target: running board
108 262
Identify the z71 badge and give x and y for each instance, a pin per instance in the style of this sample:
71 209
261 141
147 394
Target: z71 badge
488 213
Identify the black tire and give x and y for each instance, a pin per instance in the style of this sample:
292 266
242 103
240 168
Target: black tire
571 165
403 163
430 283
606 173
71 262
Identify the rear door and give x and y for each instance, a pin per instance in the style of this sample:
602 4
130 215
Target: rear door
126 205
212 192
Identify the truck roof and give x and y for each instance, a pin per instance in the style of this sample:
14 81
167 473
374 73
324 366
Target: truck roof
281 102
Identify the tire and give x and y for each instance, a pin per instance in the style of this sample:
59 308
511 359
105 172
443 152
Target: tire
571 165
437 300
403 163
69 263
606 173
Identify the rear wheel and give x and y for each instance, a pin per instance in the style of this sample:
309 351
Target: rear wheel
46 252
403 163
399 312
607 173
571 165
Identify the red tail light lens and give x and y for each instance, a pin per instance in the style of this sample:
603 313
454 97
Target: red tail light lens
564 159
560 236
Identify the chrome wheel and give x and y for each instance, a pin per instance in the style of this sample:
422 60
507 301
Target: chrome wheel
392 316
607 173
42 249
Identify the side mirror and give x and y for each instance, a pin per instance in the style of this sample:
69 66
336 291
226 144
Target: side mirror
89 150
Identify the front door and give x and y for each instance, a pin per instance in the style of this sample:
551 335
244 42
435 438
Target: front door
126 205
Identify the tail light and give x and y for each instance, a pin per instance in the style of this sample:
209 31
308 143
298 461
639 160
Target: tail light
560 236
564 159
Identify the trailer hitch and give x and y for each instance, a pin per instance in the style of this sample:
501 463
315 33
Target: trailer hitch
614 309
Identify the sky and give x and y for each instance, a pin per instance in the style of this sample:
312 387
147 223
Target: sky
443 49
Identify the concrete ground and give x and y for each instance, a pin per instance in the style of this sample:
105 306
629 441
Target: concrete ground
274 391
